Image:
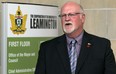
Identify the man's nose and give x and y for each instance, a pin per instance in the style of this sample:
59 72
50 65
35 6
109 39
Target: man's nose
67 18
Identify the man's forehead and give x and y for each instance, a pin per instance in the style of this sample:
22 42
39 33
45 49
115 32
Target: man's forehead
70 8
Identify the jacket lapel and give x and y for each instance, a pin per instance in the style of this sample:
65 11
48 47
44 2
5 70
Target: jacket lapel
85 49
63 52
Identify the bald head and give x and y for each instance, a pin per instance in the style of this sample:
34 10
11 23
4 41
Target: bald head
72 6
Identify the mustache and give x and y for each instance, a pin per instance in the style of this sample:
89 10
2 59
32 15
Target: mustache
68 23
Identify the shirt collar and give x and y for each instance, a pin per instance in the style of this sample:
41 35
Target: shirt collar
78 38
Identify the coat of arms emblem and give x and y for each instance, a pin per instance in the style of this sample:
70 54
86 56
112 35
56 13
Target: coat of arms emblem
18 22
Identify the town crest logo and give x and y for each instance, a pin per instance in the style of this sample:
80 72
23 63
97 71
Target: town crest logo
18 22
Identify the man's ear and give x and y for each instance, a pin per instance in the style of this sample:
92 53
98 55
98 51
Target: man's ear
82 18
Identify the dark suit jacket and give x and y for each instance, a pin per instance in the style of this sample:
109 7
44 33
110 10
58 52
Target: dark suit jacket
96 57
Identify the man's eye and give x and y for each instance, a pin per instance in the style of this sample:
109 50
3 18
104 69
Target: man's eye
63 15
70 14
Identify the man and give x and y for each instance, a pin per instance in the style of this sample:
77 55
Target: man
88 54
